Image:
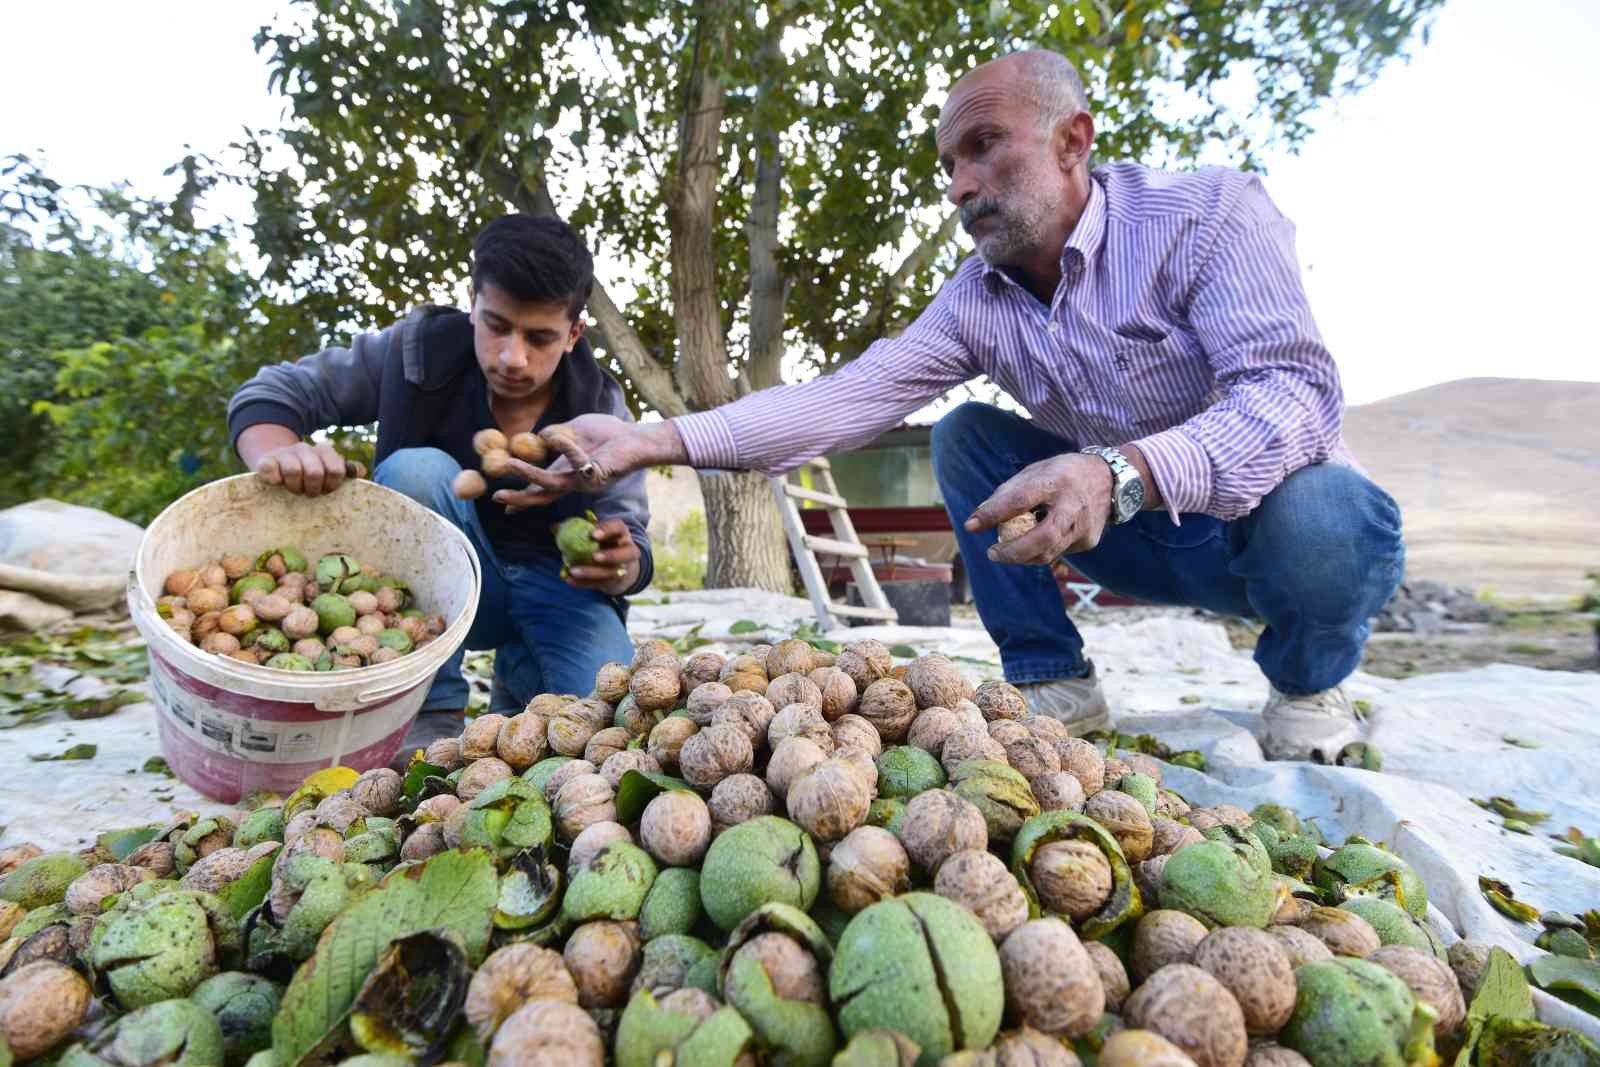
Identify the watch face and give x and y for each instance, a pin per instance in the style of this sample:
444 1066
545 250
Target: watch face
1131 497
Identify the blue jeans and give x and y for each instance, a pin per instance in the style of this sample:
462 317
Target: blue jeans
548 637
1314 561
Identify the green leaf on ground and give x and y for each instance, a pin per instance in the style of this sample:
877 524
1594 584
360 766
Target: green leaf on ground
1503 990
904 651
1188 698
745 626
83 751
1519 742
157 765
453 890
639 788
1567 974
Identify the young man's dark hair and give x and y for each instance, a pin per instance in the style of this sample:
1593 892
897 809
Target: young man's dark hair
536 259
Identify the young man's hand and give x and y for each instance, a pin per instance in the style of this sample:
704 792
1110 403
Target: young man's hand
277 454
594 451
616 562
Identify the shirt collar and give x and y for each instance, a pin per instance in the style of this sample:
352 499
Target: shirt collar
1082 243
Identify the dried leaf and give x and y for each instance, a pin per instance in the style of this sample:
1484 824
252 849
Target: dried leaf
1504 900
1507 807
1519 742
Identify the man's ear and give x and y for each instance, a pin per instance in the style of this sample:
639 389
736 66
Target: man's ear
576 332
1073 140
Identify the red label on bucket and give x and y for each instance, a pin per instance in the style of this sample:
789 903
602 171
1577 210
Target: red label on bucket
227 744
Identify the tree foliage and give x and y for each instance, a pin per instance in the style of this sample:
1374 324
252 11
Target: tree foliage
124 326
759 172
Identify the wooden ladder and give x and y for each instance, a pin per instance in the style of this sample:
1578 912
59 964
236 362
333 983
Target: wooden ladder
844 543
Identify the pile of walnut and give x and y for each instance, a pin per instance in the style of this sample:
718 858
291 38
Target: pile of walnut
279 610
780 856
495 453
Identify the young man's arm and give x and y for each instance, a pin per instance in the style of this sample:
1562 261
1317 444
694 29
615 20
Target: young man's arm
270 416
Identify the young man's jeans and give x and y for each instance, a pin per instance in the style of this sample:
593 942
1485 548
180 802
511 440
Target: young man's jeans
548 636
1314 562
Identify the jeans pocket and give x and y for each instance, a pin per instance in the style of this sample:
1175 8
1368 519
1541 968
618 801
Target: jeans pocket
1158 528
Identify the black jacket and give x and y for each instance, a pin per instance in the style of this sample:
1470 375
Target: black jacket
419 380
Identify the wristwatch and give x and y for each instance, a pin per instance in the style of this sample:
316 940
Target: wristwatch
1127 488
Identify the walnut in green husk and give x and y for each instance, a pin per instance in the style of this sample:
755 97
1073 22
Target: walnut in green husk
575 539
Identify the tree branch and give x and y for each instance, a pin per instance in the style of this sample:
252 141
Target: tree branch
769 288
880 321
691 198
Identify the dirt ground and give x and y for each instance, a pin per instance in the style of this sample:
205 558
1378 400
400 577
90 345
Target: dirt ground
1548 638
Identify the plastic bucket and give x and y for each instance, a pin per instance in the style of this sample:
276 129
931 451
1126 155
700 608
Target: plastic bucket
230 728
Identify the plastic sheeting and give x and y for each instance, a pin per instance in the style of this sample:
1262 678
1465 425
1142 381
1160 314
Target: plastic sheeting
1174 675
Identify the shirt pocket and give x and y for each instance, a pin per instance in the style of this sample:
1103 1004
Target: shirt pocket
1163 382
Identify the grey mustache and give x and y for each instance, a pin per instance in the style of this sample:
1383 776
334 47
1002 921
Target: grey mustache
976 209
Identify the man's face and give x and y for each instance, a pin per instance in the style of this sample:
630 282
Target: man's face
1001 167
519 344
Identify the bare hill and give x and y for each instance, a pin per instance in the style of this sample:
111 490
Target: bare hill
1498 480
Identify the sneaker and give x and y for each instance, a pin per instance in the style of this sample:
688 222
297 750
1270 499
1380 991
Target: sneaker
1312 727
1079 704
427 728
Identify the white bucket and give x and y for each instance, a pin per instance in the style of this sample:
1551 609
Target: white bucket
230 728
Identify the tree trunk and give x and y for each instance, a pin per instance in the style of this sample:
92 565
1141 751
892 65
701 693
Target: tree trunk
748 548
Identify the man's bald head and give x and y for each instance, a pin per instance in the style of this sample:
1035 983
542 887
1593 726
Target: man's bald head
1047 80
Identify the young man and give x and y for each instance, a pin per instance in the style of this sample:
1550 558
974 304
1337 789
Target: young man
517 361
1184 444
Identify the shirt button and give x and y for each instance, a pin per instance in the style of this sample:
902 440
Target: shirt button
1053 327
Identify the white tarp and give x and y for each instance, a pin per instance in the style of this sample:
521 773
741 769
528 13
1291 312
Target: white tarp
1174 675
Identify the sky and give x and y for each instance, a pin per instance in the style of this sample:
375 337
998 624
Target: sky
1447 219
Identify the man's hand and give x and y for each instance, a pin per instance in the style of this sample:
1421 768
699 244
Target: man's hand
1076 491
616 562
594 451
303 468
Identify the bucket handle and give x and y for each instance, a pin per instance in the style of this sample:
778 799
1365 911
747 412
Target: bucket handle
383 692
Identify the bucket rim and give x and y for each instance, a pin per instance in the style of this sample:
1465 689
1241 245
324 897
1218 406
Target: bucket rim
382 681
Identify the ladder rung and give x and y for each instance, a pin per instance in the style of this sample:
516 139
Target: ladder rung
836 548
862 612
819 463
827 499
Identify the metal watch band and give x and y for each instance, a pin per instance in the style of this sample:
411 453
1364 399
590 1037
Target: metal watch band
1122 473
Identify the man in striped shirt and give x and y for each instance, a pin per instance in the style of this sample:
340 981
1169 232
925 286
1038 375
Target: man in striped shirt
1155 318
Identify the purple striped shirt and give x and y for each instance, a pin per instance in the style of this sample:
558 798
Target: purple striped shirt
1180 325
